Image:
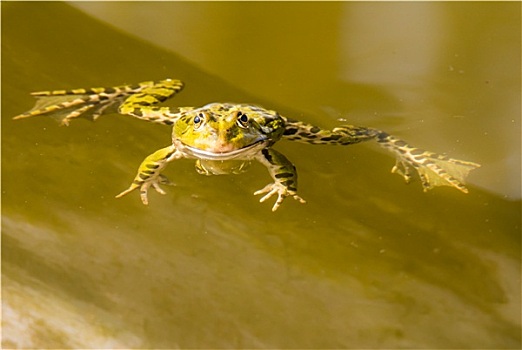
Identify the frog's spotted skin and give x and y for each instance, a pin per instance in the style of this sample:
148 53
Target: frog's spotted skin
225 137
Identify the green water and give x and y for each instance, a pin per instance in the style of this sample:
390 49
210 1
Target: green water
368 262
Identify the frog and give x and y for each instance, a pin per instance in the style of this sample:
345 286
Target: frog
224 138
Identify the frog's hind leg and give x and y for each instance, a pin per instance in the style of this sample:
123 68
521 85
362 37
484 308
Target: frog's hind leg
65 105
342 135
142 104
433 169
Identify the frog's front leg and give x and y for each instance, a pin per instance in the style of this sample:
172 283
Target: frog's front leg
284 174
149 173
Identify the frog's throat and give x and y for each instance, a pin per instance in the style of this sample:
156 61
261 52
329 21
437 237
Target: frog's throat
242 153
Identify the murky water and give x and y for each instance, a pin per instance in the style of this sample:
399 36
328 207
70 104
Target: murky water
367 263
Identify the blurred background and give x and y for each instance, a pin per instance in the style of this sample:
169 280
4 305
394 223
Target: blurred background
367 263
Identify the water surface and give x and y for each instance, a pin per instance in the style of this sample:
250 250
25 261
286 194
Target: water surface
368 262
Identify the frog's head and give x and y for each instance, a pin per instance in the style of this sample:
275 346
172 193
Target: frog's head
226 131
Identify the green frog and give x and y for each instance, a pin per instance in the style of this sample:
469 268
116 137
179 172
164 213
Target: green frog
224 137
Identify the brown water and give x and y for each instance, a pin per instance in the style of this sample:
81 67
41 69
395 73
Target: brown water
367 263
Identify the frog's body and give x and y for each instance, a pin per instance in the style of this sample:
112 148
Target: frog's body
225 137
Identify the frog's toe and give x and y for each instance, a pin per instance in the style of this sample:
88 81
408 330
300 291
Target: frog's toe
402 169
282 193
268 189
144 189
158 189
299 199
131 188
163 180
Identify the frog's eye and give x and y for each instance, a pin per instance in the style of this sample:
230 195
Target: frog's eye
198 120
242 120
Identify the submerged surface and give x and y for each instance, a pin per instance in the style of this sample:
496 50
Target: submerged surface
367 262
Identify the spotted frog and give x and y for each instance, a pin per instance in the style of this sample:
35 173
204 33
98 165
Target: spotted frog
224 137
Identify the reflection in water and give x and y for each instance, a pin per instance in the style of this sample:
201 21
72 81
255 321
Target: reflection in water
367 263
400 43
138 289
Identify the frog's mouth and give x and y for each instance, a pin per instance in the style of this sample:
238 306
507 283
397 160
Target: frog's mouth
240 153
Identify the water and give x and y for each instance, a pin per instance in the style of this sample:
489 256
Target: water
367 263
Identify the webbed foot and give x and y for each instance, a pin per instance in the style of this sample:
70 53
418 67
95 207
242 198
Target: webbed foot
401 168
433 169
438 170
282 193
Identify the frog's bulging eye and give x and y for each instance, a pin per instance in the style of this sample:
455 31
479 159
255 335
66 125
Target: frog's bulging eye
242 120
198 120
